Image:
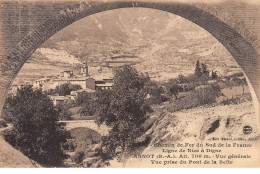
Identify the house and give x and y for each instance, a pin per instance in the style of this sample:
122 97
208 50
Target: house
104 86
59 99
40 82
84 80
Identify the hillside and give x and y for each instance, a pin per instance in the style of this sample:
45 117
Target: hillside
10 157
162 44
196 126
193 124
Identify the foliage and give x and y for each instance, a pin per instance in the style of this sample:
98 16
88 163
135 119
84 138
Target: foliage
214 74
197 72
198 97
2 123
123 110
238 99
87 103
201 72
208 94
235 80
7 110
64 112
86 140
64 89
69 145
84 134
181 78
78 157
204 69
173 88
153 90
36 131
239 74
239 82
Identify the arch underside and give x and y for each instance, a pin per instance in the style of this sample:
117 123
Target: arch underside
242 51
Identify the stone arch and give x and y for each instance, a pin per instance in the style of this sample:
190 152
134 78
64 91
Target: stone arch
239 47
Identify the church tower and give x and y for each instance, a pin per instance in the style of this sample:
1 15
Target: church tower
84 69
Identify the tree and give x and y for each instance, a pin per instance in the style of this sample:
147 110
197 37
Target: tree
204 68
36 131
198 71
64 89
64 112
87 103
153 90
214 74
239 82
174 89
181 78
122 109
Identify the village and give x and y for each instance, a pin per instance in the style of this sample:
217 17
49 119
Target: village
88 82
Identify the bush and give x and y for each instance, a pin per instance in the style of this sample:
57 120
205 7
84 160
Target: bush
64 112
78 157
238 99
87 104
208 94
230 101
155 100
186 102
7 110
69 145
198 97
2 123
154 90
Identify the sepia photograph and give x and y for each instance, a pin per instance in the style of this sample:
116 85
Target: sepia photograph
129 84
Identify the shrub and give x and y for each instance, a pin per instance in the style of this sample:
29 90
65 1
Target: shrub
154 100
186 102
7 110
230 101
198 97
154 90
64 112
69 145
2 123
78 157
87 104
236 100
208 94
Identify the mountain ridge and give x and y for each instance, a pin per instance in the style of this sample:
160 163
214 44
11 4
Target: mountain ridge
167 44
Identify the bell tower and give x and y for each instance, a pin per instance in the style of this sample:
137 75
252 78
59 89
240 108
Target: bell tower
84 69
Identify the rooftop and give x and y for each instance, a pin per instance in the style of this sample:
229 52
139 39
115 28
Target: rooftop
72 79
106 84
